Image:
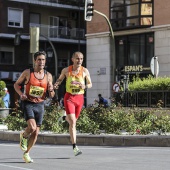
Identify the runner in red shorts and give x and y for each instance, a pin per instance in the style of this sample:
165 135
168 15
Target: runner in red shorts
75 75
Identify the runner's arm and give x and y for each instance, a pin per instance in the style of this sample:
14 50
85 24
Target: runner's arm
88 79
61 78
88 84
50 85
17 85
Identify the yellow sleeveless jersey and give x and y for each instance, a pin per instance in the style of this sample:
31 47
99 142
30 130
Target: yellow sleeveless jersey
73 81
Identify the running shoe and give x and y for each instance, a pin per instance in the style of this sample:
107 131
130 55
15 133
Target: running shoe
77 151
26 158
23 142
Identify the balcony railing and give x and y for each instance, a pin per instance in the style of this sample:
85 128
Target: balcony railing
67 2
60 32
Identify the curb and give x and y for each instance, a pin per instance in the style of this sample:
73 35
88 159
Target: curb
94 140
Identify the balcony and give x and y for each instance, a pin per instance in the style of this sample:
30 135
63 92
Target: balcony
57 3
66 2
58 32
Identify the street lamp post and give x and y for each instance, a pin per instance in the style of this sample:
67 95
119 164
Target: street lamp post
55 55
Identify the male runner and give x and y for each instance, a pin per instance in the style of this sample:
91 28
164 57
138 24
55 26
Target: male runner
75 75
36 82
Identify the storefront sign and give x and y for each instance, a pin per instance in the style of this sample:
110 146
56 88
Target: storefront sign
138 68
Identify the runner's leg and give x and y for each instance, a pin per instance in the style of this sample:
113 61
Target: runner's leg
33 130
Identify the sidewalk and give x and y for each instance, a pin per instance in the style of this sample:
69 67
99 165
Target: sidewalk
94 140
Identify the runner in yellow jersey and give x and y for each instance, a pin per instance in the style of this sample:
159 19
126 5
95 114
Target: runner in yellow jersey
75 76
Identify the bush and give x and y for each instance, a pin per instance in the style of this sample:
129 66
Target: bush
112 120
149 83
85 124
51 123
15 121
2 93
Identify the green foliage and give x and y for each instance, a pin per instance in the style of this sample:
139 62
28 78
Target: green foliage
112 120
2 93
149 83
85 124
51 123
15 120
162 123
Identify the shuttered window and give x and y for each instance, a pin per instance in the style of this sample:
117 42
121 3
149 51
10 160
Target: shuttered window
15 17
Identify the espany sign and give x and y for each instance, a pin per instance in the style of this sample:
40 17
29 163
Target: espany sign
137 68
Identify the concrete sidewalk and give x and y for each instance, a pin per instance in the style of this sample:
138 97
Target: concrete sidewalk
94 140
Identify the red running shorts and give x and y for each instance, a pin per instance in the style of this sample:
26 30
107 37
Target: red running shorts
73 103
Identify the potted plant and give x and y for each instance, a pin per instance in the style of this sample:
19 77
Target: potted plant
3 111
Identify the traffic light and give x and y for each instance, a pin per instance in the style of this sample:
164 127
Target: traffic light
17 39
88 11
120 73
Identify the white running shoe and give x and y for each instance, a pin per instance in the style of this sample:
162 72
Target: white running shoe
27 158
77 151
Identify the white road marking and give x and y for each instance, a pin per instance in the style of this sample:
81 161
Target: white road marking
15 167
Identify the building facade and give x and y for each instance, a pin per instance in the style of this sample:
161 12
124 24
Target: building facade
141 31
61 28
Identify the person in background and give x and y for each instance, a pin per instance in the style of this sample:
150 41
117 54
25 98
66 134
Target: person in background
37 82
6 98
102 101
75 76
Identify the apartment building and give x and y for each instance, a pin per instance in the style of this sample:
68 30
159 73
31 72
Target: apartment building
61 32
141 31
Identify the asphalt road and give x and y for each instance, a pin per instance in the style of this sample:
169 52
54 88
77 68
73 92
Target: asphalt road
59 157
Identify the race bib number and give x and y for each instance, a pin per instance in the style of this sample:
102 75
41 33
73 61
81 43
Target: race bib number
36 91
75 91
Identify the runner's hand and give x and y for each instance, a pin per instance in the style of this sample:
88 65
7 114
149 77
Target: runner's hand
50 88
82 86
23 96
56 85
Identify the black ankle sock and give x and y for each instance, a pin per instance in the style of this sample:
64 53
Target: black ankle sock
25 137
74 145
64 117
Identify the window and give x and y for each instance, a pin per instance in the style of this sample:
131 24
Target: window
6 55
131 13
35 19
146 14
135 49
53 28
15 17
